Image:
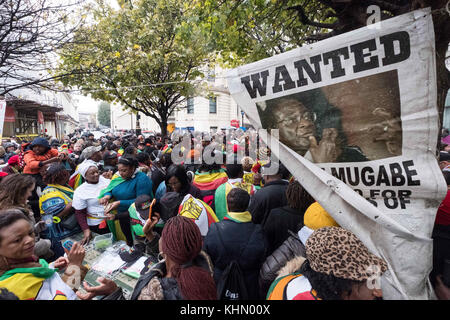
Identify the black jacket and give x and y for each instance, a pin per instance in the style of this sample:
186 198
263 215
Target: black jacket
279 222
243 242
271 196
290 248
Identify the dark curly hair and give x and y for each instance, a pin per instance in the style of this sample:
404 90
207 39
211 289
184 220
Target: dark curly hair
328 287
55 173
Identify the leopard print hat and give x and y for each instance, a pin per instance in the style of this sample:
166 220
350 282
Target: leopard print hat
338 252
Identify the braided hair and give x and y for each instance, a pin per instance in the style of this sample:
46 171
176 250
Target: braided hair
297 197
181 241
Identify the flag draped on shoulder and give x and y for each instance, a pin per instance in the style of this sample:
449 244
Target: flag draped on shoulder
113 225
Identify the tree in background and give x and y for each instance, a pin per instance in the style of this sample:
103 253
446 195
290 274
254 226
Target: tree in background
145 56
104 114
30 32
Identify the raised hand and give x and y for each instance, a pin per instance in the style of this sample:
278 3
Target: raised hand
326 150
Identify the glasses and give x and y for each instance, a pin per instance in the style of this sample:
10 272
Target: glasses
295 118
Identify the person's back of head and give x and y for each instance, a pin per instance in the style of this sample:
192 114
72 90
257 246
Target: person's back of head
297 197
247 163
181 242
130 150
234 170
143 157
238 200
166 160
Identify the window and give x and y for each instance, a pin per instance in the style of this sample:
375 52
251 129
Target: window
213 105
190 105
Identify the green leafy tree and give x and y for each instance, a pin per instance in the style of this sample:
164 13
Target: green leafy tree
147 56
104 114
243 31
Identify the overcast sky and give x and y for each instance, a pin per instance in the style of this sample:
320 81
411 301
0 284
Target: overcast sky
87 104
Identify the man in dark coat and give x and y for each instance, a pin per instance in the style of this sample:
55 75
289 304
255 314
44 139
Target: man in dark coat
237 238
271 196
289 217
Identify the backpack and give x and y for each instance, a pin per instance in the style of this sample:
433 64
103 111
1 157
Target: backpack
231 285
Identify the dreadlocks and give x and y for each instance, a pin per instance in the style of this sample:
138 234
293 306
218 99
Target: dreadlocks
297 197
182 243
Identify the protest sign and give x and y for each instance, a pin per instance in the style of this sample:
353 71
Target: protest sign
357 126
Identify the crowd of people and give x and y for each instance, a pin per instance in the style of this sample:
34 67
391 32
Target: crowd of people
217 231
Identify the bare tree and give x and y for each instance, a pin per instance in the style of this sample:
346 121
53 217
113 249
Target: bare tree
30 33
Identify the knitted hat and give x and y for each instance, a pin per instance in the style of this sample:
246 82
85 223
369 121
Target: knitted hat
263 153
40 142
316 217
338 252
247 161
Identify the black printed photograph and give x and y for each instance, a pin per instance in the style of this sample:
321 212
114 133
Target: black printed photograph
352 121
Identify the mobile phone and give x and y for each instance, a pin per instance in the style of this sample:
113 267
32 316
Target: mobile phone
68 244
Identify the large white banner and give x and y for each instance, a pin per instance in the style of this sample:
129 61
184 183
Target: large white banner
357 122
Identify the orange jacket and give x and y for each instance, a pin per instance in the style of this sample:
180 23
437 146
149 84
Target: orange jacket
32 160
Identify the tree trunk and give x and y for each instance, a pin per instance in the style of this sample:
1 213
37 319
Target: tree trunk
163 125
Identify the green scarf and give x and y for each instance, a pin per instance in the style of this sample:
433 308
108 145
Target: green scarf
40 272
115 181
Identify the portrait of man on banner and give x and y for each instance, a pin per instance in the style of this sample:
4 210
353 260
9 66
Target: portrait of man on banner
353 121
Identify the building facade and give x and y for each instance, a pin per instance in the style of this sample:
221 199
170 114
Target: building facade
213 110
88 121
32 113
